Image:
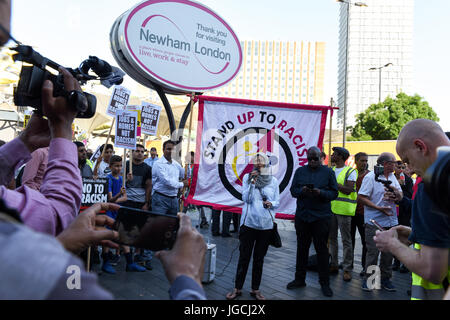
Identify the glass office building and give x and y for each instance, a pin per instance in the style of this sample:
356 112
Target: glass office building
379 33
280 71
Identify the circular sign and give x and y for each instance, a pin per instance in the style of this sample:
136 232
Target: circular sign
179 44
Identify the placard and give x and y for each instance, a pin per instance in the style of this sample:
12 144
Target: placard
126 129
150 118
119 100
138 110
94 191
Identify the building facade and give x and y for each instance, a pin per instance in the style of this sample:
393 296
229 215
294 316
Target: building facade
291 72
379 33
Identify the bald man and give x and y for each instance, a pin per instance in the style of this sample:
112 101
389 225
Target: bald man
428 261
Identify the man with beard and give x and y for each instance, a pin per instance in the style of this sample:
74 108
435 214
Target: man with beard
85 169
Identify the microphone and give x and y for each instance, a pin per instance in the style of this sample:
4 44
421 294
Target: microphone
254 178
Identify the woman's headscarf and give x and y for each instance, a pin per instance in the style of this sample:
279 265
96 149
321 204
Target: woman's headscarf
265 176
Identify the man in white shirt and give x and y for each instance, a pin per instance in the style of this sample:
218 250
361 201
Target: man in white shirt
167 178
384 212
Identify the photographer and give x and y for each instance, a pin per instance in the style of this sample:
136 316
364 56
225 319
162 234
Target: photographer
428 260
261 194
379 205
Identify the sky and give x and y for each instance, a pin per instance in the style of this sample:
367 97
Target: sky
69 31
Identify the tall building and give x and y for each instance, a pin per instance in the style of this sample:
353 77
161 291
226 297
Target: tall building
379 33
290 72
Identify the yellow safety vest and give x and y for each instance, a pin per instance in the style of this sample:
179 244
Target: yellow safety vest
345 204
422 289
90 164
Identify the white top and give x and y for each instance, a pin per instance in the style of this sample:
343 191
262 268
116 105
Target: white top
253 213
351 177
103 169
166 177
375 191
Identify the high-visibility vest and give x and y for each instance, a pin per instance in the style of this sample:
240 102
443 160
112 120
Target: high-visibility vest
90 164
422 289
345 204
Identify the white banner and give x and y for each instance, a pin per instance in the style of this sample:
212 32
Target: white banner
231 131
126 129
150 118
119 100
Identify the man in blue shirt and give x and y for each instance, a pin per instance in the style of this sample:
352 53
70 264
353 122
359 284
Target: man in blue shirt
153 157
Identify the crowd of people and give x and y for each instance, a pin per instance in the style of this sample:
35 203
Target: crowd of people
43 233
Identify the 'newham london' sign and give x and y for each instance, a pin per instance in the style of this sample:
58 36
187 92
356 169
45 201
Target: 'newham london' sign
180 44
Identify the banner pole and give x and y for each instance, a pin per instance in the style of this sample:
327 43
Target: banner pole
124 167
329 134
186 167
97 164
88 264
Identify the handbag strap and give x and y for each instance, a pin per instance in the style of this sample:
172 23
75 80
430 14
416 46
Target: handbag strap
260 191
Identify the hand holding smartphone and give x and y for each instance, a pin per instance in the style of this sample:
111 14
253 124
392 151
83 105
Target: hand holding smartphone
379 227
146 229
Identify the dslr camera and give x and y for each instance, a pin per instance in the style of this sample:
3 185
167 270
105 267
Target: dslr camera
264 198
28 90
437 180
379 171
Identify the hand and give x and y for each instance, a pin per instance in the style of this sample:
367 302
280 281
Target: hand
392 195
95 177
386 210
129 177
145 207
187 256
316 192
58 111
87 229
123 191
305 189
268 204
185 182
403 233
37 133
383 239
253 175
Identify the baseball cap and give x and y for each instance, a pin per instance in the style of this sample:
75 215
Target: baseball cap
342 151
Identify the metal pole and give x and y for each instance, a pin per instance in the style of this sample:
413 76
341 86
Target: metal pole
329 135
346 77
379 84
167 107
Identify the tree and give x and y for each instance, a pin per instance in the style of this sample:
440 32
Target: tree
383 121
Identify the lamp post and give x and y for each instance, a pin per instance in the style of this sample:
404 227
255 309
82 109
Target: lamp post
379 81
357 4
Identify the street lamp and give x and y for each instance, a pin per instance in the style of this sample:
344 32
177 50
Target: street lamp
379 82
357 4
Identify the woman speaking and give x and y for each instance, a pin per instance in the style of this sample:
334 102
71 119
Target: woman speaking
260 195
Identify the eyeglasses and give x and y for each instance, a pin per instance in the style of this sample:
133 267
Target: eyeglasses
313 158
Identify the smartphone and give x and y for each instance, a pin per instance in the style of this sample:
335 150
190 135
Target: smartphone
379 227
310 186
146 229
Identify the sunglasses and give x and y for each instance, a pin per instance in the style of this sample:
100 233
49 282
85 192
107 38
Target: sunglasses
313 158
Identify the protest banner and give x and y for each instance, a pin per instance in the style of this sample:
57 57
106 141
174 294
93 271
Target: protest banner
138 110
95 155
126 129
119 100
94 191
26 117
150 118
229 134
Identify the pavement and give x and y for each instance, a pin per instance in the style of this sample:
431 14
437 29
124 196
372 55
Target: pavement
279 270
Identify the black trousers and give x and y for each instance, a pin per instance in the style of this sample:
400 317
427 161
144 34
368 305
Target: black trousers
316 232
226 221
236 221
358 222
256 241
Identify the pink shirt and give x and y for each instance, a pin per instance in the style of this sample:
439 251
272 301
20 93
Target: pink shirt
56 205
33 173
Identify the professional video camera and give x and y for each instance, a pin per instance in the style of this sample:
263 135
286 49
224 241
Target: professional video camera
28 90
437 180
379 171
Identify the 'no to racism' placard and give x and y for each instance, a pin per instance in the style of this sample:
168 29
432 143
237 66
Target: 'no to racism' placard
150 118
94 191
119 100
126 129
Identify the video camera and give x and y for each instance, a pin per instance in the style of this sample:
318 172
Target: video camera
379 171
28 90
437 180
